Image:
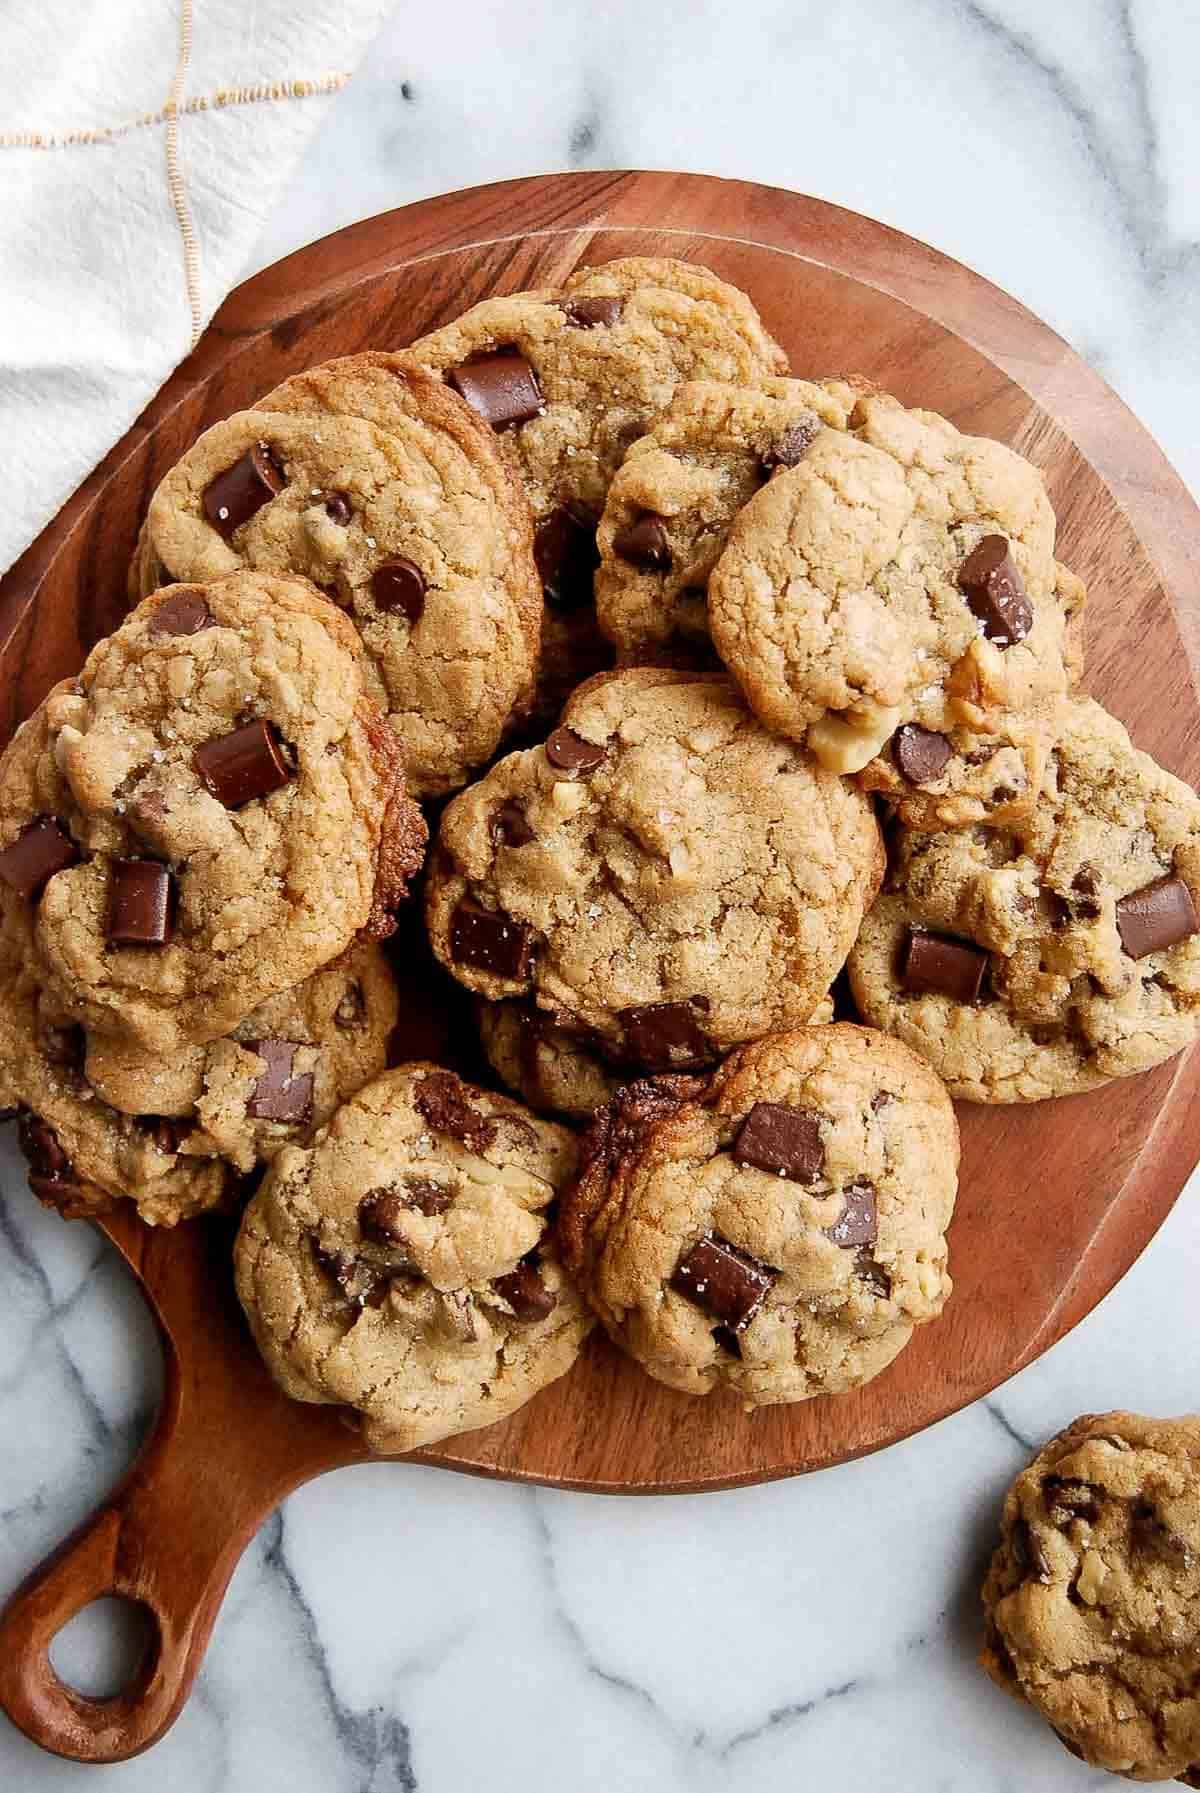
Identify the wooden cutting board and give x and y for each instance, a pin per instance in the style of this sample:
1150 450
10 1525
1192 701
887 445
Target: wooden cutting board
1057 1200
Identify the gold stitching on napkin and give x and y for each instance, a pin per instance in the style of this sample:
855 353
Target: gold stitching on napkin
175 182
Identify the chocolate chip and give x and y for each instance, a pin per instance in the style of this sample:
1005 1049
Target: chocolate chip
727 1283
509 827
643 543
142 903
280 1094
184 612
241 766
995 593
571 753
239 493
921 754
784 1141
441 1099
351 1010
525 1292
1067 1498
1158 915
789 449
589 314
398 584
857 1224
65 1047
565 550
665 1036
872 1273
43 1153
28 863
337 509
501 386
727 1339
488 941
937 965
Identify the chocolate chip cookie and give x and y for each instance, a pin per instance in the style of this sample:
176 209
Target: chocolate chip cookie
378 482
675 495
894 601
210 813
1055 956
569 379
776 1229
1093 1595
663 870
400 1265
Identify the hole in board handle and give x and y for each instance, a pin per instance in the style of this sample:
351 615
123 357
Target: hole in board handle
108 1648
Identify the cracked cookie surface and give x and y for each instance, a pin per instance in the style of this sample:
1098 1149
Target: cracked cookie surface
664 870
211 812
777 1229
1093 1595
400 1265
392 496
894 601
1056 956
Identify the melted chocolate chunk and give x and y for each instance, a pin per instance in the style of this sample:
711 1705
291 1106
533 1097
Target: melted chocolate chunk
239 493
1068 1498
995 592
398 584
726 1283
239 767
727 1339
142 903
501 386
600 312
280 1094
361 1282
789 449
567 556
509 827
786 1142
379 1214
166 1132
525 1292
872 1273
487 940
337 509
44 1155
1158 915
28 863
1028 1551
441 1099
857 1224
665 1036
1085 892
428 1197
571 753
921 755
184 612
939 966
643 543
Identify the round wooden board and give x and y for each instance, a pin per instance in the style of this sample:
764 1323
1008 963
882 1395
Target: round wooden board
1056 1200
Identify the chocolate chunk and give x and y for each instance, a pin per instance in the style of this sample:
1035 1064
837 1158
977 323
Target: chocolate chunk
937 965
567 556
571 753
872 1273
246 764
337 509
1067 1498
142 903
727 1283
379 1214
489 941
351 1010
64 1047
509 827
43 1153
921 754
995 593
1028 1552
441 1099
398 584
789 449
1085 892
361 1282
185 612
166 1132
239 493
727 1339
857 1224
525 1292
664 1036
784 1141
280 1094
643 543
28 863
589 314
501 386
1158 915
428 1197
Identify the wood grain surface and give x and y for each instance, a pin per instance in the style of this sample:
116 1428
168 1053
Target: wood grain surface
1056 1200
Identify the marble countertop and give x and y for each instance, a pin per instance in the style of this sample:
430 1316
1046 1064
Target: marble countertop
395 1628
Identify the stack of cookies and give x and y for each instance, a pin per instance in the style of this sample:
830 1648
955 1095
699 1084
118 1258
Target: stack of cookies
680 638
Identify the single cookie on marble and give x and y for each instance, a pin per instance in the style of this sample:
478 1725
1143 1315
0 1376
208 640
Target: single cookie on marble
777 1229
893 600
676 494
400 1265
1093 1595
1054 956
663 869
212 811
569 379
372 478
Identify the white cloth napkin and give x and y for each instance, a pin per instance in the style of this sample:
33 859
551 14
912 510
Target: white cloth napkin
142 142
